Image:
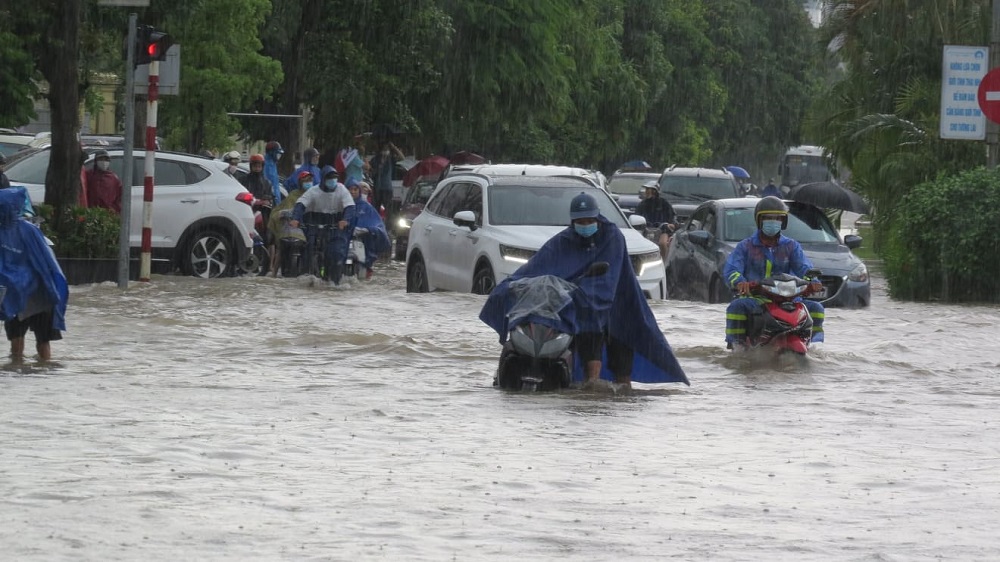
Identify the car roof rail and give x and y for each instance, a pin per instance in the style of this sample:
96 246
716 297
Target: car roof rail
672 166
584 179
458 173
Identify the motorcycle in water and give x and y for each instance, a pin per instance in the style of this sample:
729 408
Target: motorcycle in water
537 356
355 263
260 262
784 325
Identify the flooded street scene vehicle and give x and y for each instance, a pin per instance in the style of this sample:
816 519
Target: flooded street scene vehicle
470 280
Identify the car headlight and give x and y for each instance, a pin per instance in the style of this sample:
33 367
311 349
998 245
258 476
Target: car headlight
516 255
403 222
643 262
859 274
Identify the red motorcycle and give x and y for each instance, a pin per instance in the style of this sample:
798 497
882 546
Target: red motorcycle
785 324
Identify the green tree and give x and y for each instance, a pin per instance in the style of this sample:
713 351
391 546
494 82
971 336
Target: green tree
17 74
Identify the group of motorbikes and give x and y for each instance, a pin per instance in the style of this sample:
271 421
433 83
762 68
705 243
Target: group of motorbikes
537 356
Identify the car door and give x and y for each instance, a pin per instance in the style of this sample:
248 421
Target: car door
178 199
686 276
449 239
432 237
704 256
465 240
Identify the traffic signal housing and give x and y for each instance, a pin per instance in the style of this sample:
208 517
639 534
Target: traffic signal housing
151 45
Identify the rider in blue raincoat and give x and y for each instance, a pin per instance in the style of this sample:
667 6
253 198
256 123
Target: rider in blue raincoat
329 205
272 153
34 288
609 311
374 235
310 159
762 255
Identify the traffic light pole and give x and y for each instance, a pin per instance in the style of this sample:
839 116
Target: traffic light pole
150 167
124 242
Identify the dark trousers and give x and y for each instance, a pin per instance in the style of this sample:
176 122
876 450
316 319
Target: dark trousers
589 346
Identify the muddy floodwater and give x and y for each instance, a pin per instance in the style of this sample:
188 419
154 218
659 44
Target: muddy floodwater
273 419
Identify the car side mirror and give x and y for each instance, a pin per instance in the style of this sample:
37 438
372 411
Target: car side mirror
466 219
700 237
853 241
637 221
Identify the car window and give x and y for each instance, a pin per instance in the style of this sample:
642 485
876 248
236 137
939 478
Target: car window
627 185
804 225
474 202
697 219
436 202
692 188
29 169
455 200
419 193
543 205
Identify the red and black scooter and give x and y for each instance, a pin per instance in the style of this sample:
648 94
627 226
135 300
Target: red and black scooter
785 324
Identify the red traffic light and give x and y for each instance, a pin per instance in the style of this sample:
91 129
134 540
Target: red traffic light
151 45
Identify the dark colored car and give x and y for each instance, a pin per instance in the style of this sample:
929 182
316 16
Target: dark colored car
686 188
698 252
625 187
413 203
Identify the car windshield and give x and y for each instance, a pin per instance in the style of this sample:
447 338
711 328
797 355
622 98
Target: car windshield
628 185
543 205
28 166
420 193
805 225
693 188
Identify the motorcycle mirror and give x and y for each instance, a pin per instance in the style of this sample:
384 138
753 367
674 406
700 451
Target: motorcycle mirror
597 268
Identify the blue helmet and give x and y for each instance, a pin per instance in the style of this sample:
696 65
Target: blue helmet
584 206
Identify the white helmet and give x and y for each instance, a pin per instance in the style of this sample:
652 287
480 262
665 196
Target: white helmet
233 157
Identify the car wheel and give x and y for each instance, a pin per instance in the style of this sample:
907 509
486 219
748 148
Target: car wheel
718 293
483 281
416 276
209 255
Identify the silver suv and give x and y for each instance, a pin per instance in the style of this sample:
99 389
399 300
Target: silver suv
202 220
686 188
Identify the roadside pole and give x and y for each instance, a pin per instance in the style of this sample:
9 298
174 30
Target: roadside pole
145 264
126 214
993 129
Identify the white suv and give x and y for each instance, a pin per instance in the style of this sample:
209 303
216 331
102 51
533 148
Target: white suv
477 229
202 220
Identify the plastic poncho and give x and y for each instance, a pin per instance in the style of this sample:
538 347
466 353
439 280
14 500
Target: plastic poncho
27 264
280 216
271 173
366 216
612 303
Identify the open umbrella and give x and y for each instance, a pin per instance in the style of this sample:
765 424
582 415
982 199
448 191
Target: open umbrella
466 158
738 173
829 195
429 166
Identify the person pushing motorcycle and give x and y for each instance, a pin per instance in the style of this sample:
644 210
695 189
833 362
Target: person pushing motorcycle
615 316
763 254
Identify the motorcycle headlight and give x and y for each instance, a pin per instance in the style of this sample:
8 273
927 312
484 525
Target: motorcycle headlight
516 255
403 223
859 274
644 262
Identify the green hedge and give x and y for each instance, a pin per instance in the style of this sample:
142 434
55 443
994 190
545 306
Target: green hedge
84 232
944 243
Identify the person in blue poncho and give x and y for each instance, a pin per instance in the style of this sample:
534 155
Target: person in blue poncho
33 288
613 317
368 226
272 153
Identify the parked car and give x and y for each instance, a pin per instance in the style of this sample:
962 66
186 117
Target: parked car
698 252
413 204
477 229
686 188
12 143
626 187
202 221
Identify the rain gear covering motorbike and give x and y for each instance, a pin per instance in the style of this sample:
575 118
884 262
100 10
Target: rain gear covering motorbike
27 264
377 239
612 303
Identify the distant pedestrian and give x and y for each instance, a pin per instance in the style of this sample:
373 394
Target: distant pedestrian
770 190
383 164
104 187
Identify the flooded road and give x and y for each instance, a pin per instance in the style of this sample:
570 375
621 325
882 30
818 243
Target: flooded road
267 419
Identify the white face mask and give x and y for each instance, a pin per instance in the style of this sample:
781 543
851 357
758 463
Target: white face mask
103 165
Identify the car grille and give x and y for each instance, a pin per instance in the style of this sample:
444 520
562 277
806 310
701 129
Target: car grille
832 284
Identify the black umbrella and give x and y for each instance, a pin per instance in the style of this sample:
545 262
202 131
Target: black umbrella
829 195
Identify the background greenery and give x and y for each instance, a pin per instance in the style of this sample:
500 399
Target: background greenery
585 82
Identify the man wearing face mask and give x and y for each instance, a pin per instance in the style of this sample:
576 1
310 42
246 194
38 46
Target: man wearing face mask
764 254
232 158
611 317
104 188
331 204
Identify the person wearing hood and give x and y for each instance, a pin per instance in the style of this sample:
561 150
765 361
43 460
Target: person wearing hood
104 188
272 153
611 313
33 289
368 226
310 163
282 234
331 204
